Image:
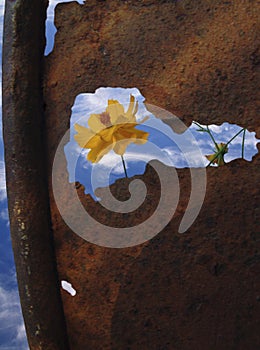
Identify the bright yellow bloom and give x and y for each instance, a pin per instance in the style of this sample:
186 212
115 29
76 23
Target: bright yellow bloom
108 128
218 156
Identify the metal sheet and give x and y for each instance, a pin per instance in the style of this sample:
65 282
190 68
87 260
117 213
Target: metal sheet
198 60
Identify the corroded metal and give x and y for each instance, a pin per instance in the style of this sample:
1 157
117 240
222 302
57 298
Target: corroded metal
192 291
198 290
26 175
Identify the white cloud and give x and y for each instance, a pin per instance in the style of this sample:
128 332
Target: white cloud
3 194
216 128
12 330
2 175
193 159
250 139
110 161
4 216
134 154
21 332
112 164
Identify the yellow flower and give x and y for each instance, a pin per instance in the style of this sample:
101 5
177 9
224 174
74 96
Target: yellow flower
113 129
218 156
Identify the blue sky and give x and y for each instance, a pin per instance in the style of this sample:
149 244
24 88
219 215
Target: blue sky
178 150
162 145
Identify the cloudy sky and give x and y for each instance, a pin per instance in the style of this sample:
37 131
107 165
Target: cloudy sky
185 150
163 145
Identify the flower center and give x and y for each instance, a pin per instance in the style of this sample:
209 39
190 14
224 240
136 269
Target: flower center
105 119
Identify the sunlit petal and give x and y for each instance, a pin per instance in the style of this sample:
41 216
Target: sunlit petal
95 154
132 110
83 135
121 146
115 110
95 123
218 157
107 134
94 142
112 129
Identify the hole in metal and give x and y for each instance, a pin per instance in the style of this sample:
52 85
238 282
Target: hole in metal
50 29
68 287
162 144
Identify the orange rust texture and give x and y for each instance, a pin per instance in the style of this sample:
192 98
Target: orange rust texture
198 290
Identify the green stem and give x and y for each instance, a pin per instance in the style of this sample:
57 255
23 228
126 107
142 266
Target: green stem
123 161
234 137
216 155
243 143
207 130
199 125
212 138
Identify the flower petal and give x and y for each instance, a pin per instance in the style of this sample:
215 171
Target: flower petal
94 142
107 134
115 110
121 146
218 160
83 136
95 154
95 123
210 157
132 110
125 136
101 138
140 136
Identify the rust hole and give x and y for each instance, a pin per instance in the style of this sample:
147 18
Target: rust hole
50 29
68 287
212 145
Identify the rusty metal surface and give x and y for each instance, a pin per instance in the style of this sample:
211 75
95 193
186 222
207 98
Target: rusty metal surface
26 175
200 60
197 59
